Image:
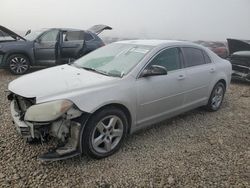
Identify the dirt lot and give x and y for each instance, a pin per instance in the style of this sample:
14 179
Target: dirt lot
196 149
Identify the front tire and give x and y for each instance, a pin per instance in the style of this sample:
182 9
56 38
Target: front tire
18 64
216 97
104 133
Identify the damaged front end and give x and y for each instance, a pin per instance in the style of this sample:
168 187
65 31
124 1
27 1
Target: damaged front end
58 119
239 56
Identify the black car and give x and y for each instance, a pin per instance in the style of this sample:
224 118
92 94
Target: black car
46 47
239 56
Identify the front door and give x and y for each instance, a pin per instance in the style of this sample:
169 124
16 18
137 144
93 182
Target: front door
45 48
159 97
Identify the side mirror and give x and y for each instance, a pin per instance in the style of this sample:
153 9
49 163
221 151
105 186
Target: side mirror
154 70
28 32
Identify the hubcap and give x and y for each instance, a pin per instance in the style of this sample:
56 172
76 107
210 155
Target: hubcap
217 98
107 134
18 64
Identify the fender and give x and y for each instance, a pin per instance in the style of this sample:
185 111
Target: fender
221 75
29 54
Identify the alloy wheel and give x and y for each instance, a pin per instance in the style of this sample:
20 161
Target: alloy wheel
107 134
19 65
218 97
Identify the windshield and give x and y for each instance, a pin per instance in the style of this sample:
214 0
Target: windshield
33 35
4 36
116 59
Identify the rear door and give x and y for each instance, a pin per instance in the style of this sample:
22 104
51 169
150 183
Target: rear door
199 71
45 47
72 45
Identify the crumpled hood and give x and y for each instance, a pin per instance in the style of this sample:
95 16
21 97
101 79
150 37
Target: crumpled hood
58 80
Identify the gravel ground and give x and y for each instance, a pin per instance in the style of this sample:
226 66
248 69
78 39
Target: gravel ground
196 149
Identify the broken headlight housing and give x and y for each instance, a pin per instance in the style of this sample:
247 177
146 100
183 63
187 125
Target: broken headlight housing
48 111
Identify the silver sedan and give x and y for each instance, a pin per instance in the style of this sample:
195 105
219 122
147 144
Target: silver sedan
92 104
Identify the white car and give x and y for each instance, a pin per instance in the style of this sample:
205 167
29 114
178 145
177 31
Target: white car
91 105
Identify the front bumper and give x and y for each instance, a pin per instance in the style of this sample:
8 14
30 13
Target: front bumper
26 130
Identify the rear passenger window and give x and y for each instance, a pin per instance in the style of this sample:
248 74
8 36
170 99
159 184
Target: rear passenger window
169 58
207 58
193 57
74 35
88 37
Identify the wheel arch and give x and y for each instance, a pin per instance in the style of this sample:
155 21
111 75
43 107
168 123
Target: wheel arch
222 81
208 105
121 107
89 115
21 53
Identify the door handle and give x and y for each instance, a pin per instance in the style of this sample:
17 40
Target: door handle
212 70
181 77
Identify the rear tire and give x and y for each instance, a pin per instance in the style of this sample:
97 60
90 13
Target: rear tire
104 133
216 97
18 64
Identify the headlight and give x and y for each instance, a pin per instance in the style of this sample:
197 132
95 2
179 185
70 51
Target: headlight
47 111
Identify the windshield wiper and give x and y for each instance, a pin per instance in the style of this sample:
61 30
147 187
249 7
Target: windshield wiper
97 71
101 72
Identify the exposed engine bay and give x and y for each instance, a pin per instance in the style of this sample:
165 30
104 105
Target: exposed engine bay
65 128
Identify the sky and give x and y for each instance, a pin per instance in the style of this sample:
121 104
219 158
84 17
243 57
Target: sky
150 19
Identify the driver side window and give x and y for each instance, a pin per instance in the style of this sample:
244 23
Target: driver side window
50 36
169 58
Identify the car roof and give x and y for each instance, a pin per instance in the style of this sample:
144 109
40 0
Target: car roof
157 42
68 29
64 29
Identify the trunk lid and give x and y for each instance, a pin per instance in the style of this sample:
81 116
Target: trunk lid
97 29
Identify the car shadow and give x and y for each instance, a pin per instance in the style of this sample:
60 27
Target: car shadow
142 134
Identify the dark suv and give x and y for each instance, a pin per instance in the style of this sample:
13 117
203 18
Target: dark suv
46 47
